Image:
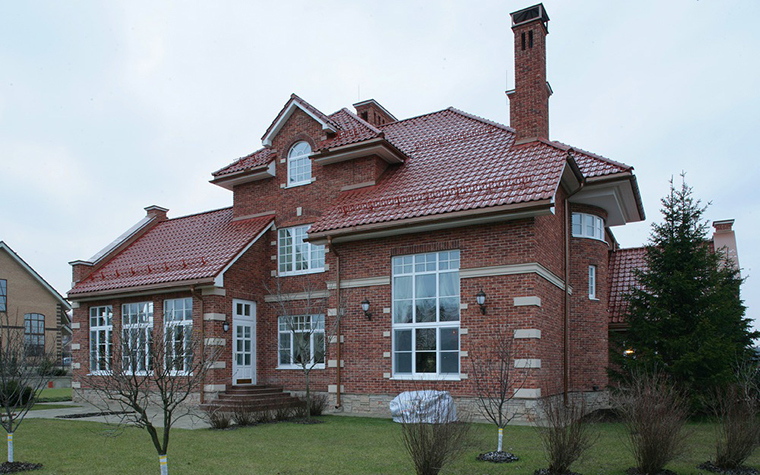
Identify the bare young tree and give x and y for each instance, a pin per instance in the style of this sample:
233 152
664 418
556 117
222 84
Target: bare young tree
565 432
20 381
305 328
155 372
496 380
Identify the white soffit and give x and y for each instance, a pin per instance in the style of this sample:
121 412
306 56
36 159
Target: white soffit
616 198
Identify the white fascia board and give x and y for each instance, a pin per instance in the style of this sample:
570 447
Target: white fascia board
219 279
34 274
120 240
267 140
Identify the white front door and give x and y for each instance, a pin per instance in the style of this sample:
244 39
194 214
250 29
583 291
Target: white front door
243 342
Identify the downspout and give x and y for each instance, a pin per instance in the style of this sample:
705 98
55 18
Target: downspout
337 327
566 309
203 339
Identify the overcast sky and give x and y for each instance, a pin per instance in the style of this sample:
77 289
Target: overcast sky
109 107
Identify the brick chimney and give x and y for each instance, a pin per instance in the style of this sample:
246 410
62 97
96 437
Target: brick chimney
724 238
529 100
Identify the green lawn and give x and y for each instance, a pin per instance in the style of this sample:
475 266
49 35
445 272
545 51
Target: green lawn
55 395
342 445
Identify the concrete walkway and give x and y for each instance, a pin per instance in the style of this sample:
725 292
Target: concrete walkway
191 421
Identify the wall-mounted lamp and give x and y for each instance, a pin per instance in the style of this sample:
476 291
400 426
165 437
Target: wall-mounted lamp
365 308
480 297
226 326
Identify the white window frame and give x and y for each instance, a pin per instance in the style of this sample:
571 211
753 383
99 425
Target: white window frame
101 339
299 164
178 315
291 240
140 331
592 282
407 269
588 226
286 331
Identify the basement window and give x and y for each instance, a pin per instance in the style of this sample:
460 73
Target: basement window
588 226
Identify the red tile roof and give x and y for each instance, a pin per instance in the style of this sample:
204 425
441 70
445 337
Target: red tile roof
623 263
259 158
181 249
456 161
353 129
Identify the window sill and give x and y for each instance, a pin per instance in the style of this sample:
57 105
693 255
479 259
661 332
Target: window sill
594 299
99 373
426 377
293 366
295 185
302 272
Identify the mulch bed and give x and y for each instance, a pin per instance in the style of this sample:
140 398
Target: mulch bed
545 471
498 457
93 414
635 471
13 467
711 467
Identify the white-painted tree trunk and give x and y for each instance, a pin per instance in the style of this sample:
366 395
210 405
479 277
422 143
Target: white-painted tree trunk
10 446
501 436
164 464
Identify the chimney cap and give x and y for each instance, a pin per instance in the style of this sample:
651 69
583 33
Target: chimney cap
526 15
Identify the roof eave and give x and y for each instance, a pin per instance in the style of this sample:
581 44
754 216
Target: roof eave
261 172
377 146
617 193
139 289
436 221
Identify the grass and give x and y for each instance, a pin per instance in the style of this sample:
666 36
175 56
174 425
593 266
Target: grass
54 395
342 445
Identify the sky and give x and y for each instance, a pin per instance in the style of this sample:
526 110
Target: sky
109 107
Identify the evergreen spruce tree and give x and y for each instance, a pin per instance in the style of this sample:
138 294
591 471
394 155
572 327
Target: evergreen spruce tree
686 317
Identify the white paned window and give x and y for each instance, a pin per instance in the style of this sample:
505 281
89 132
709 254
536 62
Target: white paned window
299 164
34 333
101 338
592 282
178 333
136 337
588 226
426 314
301 341
297 256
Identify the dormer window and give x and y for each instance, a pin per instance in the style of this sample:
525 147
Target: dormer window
588 226
299 164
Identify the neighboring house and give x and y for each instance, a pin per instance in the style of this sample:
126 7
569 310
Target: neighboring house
30 305
416 218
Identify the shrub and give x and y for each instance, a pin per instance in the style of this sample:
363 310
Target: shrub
654 412
243 415
217 418
282 413
738 431
317 404
564 431
432 446
264 416
13 395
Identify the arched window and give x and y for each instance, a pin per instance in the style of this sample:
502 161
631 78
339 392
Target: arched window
299 164
34 333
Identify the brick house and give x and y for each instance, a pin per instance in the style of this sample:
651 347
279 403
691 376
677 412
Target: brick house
413 218
30 305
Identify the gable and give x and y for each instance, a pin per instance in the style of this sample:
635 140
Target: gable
296 104
20 275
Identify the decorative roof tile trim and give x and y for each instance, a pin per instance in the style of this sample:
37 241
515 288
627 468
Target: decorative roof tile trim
482 119
33 273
